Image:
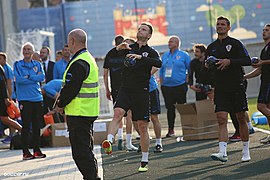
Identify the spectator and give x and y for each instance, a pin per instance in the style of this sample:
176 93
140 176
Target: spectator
58 55
60 66
29 74
173 79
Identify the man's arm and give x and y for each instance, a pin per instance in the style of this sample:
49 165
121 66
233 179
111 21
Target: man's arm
256 72
106 83
9 88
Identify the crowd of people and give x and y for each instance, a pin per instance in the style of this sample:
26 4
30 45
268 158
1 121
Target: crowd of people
69 85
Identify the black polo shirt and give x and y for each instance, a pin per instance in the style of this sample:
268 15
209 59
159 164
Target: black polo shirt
231 78
265 55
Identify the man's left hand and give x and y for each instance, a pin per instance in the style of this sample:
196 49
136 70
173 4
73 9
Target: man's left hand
59 110
223 63
136 56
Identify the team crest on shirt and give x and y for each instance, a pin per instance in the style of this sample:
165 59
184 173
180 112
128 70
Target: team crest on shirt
21 107
145 54
178 57
35 68
229 47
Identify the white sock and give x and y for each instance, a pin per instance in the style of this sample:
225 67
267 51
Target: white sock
128 140
145 156
120 133
246 146
223 148
158 141
110 138
249 125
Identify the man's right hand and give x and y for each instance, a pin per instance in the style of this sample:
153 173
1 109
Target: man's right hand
108 95
195 89
122 46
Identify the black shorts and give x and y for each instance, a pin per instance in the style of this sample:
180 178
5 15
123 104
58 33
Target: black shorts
264 95
136 101
231 101
3 108
114 94
154 102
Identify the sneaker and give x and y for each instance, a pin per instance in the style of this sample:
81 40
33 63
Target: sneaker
251 131
39 155
143 167
28 156
139 149
158 149
107 146
219 157
7 140
131 148
235 138
245 157
265 140
138 137
170 133
120 144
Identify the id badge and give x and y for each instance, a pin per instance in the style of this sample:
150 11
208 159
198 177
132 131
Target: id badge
168 72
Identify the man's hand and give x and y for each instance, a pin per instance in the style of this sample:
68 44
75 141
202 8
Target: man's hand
122 46
108 95
136 56
223 63
194 88
7 102
59 110
258 64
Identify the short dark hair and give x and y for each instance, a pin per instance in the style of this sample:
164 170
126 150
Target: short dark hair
59 52
118 39
130 39
201 47
4 55
66 45
267 25
224 18
148 25
47 48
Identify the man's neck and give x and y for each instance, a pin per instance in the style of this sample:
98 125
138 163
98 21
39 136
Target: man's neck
222 36
172 50
267 41
27 59
201 59
142 43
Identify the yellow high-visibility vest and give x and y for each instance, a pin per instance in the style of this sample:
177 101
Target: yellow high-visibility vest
86 103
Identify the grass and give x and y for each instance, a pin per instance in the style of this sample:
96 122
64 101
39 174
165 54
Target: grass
252 106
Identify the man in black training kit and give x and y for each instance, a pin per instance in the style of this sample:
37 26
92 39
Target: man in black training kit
134 92
229 95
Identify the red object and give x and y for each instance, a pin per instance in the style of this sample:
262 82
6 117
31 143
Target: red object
13 111
47 132
48 119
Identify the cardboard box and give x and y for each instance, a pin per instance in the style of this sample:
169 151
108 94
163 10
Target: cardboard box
100 130
198 120
60 135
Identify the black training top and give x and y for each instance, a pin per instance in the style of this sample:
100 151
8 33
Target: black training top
265 55
137 77
231 78
202 74
114 61
3 86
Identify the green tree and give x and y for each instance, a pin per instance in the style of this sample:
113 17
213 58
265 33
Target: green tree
237 13
215 12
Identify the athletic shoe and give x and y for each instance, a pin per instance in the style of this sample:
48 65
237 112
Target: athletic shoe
139 149
245 157
158 149
138 137
39 155
28 156
265 140
170 133
251 131
235 138
143 167
219 157
131 148
7 140
107 146
120 144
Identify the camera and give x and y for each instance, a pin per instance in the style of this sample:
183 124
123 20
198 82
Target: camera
254 60
129 62
203 87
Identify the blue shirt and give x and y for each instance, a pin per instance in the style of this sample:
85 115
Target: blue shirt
59 69
28 77
153 83
9 74
53 87
176 65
